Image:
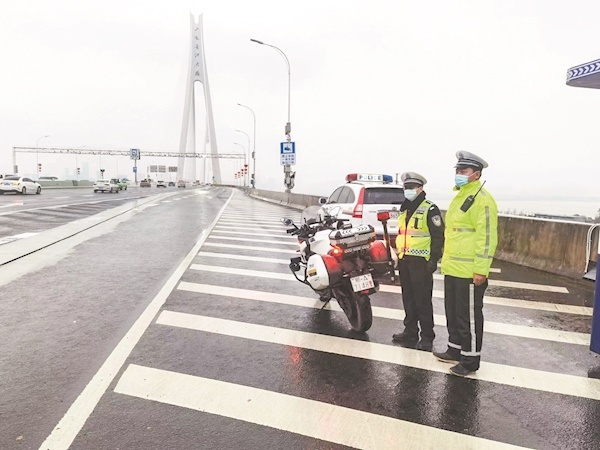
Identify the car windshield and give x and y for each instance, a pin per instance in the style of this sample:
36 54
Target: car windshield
383 196
12 178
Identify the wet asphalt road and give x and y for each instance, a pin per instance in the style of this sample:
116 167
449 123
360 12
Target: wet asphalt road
241 359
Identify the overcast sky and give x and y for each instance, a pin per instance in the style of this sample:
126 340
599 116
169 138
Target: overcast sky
384 86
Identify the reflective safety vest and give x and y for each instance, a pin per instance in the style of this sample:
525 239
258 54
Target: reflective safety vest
414 238
471 237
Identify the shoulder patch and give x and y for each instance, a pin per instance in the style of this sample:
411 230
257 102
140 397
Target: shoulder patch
437 220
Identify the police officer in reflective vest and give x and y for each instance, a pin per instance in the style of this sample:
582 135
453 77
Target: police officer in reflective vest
471 239
419 245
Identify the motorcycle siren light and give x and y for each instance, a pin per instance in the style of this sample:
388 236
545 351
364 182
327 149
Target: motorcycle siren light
383 215
388 179
358 209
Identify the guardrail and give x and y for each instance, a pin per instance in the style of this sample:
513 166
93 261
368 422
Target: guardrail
553 246
65 184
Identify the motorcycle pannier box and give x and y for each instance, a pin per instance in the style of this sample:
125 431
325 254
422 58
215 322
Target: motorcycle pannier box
379 257
323 271
353 237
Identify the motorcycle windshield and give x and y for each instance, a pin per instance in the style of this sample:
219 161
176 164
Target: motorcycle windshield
312 214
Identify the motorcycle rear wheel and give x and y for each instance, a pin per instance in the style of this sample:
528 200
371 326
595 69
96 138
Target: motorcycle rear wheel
357 308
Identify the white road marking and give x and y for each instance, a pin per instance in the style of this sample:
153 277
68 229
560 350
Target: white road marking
544 334
217 232
59 198
16 237
257 224
12 204
520 377
244 258
248 247
319 420
515 284
257 241
245 227
64 433
501 301
511 302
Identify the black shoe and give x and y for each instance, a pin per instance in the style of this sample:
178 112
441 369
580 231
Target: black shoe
461 370
405 337
449 356
425 345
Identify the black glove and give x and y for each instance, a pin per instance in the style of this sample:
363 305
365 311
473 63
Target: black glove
431 266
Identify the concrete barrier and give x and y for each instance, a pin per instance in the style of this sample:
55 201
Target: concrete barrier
552 246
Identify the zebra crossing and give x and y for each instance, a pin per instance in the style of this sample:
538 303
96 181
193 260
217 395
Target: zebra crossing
240 344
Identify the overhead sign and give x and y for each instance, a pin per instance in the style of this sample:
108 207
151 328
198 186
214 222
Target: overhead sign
172 168
134 153
287 151
162 169
153 169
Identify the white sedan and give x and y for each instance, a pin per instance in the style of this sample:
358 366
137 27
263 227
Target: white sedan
21 185
106 186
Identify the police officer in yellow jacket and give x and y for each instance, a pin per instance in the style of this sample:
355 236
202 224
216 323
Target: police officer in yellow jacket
470 244
419 245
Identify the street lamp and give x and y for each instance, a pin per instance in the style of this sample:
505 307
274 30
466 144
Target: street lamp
247 137
245 162
253 181
37 156
287 170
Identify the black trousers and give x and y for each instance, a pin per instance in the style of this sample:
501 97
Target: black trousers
464 315
417 288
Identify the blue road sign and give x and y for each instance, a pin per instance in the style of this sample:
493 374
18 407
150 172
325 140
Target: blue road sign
134 169
288 153
134 153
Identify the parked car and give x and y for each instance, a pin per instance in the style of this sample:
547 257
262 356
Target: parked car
21 185
171 184
362 196
106 186
145 183
122 184
161 183
181 183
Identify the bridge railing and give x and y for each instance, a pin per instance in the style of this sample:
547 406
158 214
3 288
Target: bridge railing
550 245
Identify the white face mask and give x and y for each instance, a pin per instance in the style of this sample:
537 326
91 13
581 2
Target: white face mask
410 194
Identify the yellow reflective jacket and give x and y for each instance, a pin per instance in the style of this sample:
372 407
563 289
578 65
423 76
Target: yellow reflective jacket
414 239
470 237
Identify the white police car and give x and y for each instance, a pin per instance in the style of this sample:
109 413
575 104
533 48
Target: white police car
363 196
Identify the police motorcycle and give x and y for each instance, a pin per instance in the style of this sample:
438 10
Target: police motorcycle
340 261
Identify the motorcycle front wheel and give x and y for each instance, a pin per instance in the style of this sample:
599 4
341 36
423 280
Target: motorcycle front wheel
356 306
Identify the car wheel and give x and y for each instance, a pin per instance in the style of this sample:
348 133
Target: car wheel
95 191
24 190
39 190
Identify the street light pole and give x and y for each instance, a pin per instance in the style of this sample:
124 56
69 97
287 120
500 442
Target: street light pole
37 156
287 170
247 137
253 181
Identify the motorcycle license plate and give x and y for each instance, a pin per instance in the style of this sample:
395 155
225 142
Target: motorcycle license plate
362 282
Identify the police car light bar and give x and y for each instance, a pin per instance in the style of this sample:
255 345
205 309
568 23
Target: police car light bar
369 177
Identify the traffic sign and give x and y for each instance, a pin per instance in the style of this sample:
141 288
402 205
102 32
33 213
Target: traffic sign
134 153
134 169
287 151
